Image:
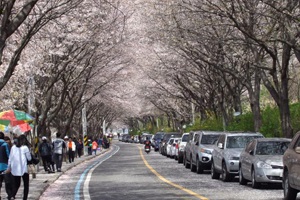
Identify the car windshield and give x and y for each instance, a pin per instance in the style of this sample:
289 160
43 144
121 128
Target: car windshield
271 148
158 136
185 138
239 141
209 139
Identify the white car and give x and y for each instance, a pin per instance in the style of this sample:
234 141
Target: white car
181 147
169 145
174 148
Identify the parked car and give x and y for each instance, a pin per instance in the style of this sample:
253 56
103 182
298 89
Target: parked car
176 149
124 137
261 161
226 154
169 146
163 144
136 139
157 140
188 150
173 148
201 150
291 169
181 146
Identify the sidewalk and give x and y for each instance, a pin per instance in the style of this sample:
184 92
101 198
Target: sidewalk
43 180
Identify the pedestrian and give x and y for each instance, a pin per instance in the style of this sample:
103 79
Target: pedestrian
76 144
100 143
46 154
58 146
65 152
71 150
89 147
79 147
4 152
8 177
94 146
17 166
105 142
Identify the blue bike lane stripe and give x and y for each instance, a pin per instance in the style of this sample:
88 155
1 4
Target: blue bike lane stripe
83 175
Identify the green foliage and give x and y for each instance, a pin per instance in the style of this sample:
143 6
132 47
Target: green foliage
271 122
295 116
271 126
242 123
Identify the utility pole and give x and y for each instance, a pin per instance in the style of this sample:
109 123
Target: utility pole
193 112
31 101
103 127
84 128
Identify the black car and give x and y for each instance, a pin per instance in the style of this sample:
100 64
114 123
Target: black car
163 144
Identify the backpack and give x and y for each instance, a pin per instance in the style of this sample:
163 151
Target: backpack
45 149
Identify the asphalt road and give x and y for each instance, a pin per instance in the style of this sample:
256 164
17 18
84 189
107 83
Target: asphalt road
127 172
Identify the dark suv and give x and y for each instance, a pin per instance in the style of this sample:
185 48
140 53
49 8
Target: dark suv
157 140
291 169
163 144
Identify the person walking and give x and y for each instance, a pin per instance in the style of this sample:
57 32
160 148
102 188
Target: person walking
17 166
71 150
8 177
79 147
46 154
94 146
65 151
58 146
76 144
4 152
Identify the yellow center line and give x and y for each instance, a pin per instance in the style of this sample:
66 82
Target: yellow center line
169 182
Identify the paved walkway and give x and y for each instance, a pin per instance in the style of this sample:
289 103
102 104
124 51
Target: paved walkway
43 180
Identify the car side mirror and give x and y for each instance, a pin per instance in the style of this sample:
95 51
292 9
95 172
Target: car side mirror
220 145
251 152
297 150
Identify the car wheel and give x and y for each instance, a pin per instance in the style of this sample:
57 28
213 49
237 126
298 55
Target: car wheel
254 184
193 167
214 174
180 160
187 165
288 192
199 166
183 159
225 175
242 180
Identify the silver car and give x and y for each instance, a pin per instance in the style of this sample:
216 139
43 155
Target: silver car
202 149
226 154
261 161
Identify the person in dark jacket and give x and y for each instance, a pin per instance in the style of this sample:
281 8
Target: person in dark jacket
4 155
45 151
79 147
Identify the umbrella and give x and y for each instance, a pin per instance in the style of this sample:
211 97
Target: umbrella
14 117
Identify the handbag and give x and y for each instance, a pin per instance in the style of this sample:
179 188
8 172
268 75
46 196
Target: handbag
34 160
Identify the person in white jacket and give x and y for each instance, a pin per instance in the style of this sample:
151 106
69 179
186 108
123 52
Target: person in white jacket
17 165
71 147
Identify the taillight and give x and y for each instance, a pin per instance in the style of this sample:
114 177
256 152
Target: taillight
177 146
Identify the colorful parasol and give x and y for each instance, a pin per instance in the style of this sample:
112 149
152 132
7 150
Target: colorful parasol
14 117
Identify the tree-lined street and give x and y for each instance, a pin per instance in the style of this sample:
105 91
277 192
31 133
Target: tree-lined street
124 175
